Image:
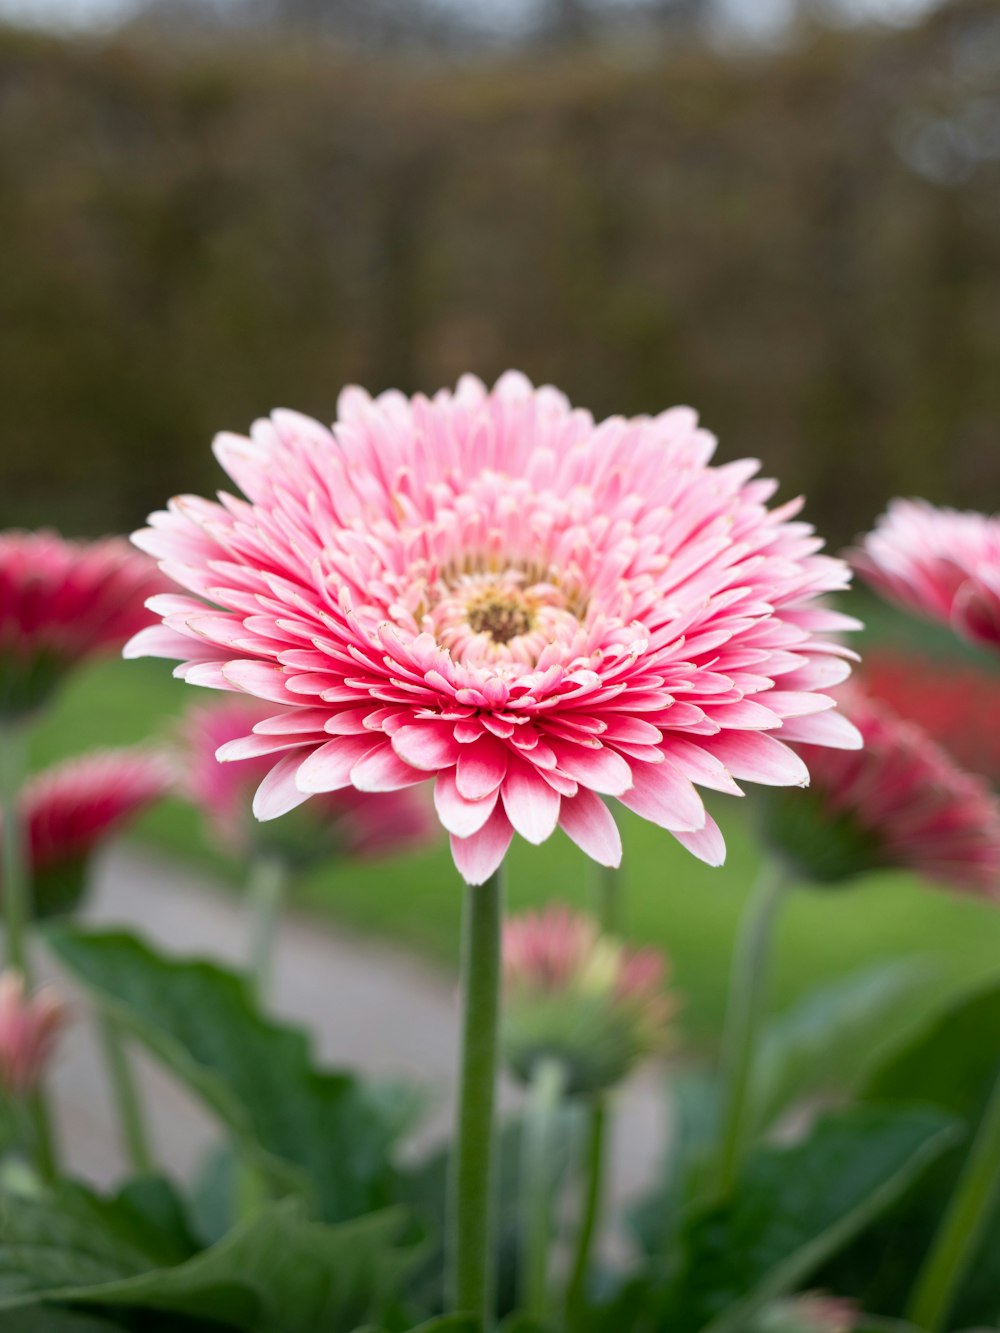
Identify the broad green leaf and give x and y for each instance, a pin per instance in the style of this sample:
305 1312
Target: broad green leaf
49 1320
952 1061
793 1208
833 1036
256 1074
276 1271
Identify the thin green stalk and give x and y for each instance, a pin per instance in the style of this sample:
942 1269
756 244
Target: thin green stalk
471 1249
593 1194
609 913
17 911
609 898
16 881
745 1008
538 1180
266 888
129 1106
961 1229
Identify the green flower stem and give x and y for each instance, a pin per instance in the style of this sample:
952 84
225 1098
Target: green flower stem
747 998
609 898
471 1250
130 1114
961 1229
538 1182
593 1195
609 913
17 911
266 888
16 881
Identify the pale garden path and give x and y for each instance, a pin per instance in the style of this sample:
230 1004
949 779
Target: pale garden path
370 1007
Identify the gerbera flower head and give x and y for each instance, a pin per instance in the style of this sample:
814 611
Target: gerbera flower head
580 998
488 589
940 563
348 822
901 802
29 1029
62 602
69 810
957 704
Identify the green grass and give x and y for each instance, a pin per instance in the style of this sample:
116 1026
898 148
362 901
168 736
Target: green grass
671 900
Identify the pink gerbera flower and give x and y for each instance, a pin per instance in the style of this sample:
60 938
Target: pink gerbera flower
940 563
579 997
61 603
29 1029
67 811
490 589
357 823
958 705
900 802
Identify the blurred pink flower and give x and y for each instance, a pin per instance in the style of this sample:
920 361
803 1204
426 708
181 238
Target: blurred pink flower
940 563
958 705
902 802
491 590
62 602
813 1312
581 997
357 823
66 811
29 1029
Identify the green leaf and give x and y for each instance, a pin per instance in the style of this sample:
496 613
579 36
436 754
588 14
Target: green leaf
952 1061
49 1320
276 1271
829 1033
792 1209
257 1075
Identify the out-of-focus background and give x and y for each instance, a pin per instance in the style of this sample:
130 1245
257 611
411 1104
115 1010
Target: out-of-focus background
786 214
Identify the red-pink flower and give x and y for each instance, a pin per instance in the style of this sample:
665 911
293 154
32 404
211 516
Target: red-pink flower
940 563
958 705
490 589
62 602
354 822
29 1029
579 997
901 802
68 810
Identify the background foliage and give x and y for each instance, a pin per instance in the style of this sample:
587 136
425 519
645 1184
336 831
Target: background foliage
806 245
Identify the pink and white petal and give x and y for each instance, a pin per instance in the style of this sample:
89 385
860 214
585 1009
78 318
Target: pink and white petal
383 770
458 815
830 729
328 768
478 856
706 843
261 679
279 793
663 795
531 804
481 767
591 825
601 769
427 745
757 757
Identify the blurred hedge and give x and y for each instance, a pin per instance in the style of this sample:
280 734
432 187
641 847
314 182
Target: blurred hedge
191 236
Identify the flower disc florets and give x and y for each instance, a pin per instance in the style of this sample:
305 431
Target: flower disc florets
491 590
